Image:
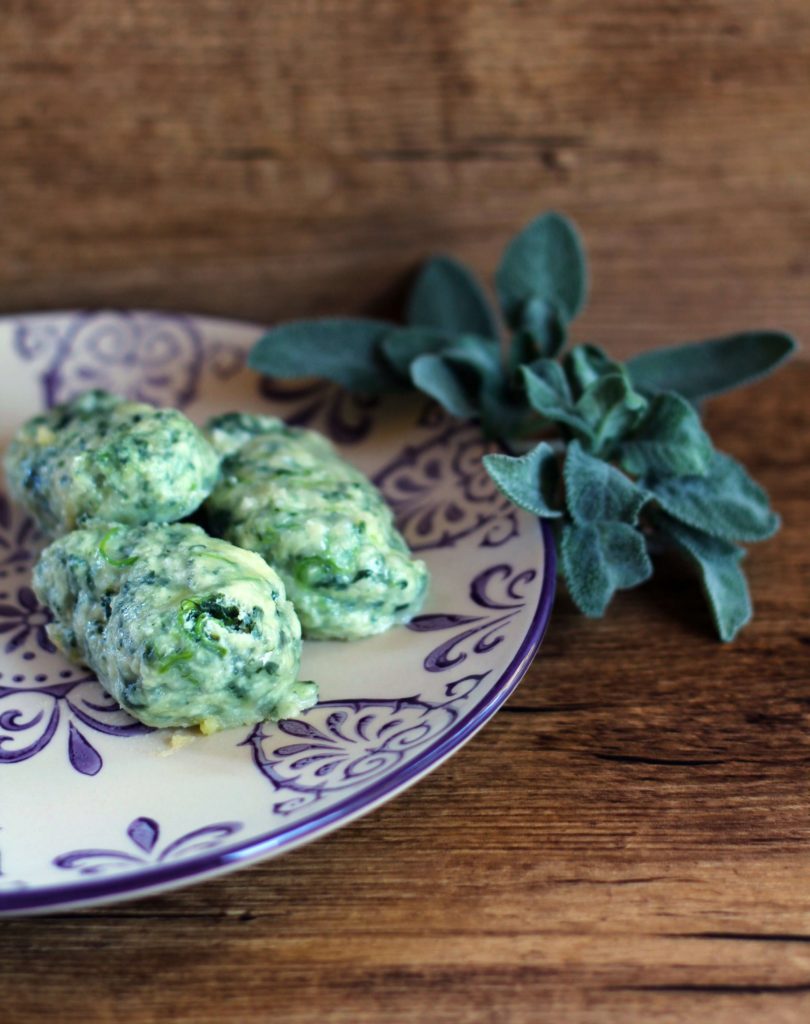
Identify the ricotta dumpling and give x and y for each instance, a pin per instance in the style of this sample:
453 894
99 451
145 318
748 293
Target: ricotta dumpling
284 492
100 458
181 629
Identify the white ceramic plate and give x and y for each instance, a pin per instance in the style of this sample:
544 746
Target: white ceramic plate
95 807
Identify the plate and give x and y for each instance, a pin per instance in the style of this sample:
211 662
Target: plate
95 807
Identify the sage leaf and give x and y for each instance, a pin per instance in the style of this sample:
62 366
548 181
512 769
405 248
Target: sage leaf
467 378
669 441
595 491
545 261
547 376
433 375
341 349
542 333
704 368
504 414
721 574
529 480
586 364
725 503
447 296
477 362
612 410
404 344
600 558
481 356
548 393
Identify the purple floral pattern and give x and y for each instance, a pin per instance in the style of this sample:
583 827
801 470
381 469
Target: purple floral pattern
144 848
479 633
149 357
441 493
31 716
354 742
340 745
343 417
19 541
23 622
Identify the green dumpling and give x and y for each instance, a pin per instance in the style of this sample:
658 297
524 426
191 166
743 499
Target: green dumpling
180 628
100 458
284 492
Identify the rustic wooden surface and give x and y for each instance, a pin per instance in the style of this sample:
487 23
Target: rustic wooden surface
628 841
288 157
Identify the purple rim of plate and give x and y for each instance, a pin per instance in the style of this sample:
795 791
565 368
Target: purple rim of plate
251 851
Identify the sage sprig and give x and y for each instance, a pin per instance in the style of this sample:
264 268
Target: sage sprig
618 458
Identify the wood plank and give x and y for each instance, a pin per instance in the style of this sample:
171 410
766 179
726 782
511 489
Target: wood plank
301 156
626 842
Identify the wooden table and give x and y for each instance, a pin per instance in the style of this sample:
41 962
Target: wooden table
629 842
279 158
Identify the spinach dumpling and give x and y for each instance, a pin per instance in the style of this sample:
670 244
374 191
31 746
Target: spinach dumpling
286 493
180 628
100 458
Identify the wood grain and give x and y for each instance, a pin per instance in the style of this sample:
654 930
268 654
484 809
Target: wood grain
628 842
294 157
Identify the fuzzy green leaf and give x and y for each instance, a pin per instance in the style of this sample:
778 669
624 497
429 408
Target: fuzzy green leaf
549 382
467 378
433 375
447 296
600 558
341 349
547 393
505 415
477 362
703 368
480 356
586 364
725 503
542 333
721 573
545 261
595 491
404 344
530 480
669 441
612 410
